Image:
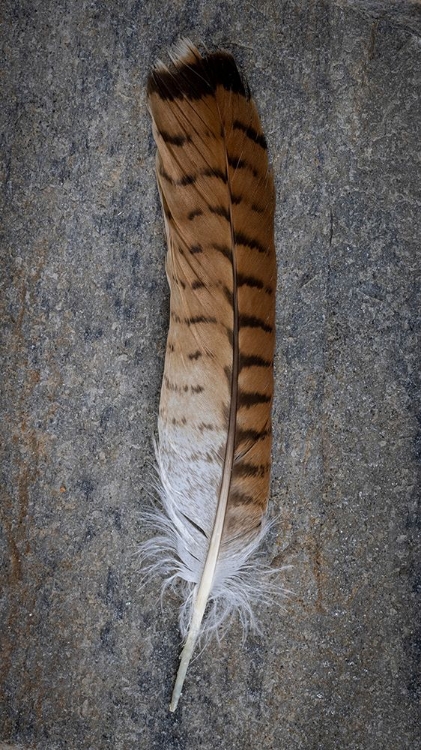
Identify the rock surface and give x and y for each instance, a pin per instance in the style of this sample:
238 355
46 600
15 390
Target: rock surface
88 657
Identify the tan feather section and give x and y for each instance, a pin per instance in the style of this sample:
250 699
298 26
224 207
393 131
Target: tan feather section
215 412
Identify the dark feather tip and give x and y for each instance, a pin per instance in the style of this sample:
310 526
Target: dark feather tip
195 77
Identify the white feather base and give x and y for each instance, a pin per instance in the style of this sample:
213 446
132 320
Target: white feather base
243 579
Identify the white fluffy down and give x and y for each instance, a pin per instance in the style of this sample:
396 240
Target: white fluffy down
177 552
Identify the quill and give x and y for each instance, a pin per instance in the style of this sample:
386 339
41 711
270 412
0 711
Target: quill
214 424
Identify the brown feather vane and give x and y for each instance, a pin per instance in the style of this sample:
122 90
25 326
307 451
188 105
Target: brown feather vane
214 449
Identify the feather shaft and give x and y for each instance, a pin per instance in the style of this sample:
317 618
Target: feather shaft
206 580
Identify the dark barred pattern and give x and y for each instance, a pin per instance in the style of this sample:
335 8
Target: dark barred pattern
253 360
251 133
243 239
251 321
198 79
251 399
250 470
175 140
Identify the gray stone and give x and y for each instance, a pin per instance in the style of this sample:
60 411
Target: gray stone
404 13
88 655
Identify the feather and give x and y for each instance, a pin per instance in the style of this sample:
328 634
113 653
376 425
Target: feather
214 427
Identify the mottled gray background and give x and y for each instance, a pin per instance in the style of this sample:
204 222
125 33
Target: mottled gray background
88 657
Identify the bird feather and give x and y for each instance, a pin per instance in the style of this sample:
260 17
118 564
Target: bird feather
214 426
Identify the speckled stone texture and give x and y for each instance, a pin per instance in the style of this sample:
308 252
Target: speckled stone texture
88 656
